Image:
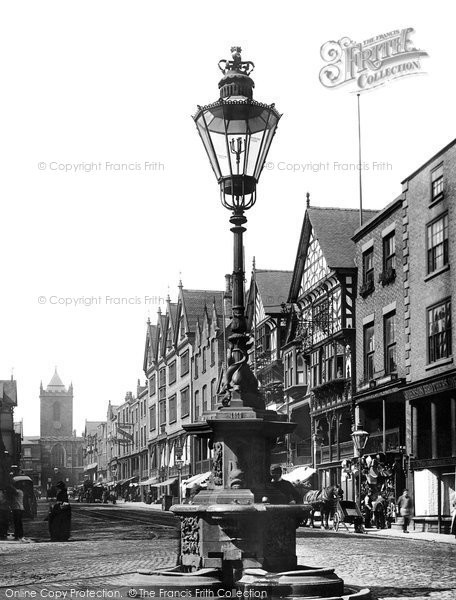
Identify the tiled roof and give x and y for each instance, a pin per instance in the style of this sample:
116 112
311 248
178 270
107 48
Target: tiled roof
273 287
196 300
91 427
334 228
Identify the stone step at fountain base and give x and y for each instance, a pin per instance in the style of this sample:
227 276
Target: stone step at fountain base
302 583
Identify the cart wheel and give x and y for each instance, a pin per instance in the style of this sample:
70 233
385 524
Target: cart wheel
336 522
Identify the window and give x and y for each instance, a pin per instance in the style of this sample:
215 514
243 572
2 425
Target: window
437 183
185 402
369 350
315 368
172 409
213 396
184 363
389 329
181 328
56 411
204 398
162 412
389 252
152 418
439 331
153 385
437 244
289 370
162 377
204 359
27 452
172 372
197 406
213 352
368 267
196 365
300 370
329 362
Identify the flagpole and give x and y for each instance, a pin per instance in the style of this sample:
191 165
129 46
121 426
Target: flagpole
359 166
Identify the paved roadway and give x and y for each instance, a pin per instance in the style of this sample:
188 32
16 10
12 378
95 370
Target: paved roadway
108 541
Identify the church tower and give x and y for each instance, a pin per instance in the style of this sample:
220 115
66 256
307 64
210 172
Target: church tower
56 409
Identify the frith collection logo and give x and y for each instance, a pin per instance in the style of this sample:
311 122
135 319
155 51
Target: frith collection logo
370 63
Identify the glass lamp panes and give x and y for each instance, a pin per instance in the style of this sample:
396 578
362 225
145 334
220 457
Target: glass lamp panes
237 135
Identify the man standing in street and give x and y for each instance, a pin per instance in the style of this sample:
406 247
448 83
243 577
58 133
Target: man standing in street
286 488
404 509
17 508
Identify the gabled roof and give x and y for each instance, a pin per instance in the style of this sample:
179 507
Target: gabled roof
195 302
333 228
8 391
273 287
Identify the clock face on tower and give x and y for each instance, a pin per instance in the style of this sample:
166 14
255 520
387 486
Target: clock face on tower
57 424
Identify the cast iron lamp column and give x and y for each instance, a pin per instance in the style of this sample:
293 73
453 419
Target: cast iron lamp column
237 132
360 438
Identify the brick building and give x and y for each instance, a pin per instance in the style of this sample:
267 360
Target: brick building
429 234
380 347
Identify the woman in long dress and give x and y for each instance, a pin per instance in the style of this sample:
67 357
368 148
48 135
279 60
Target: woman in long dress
60 515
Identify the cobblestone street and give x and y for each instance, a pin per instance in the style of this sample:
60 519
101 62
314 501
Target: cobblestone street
108 542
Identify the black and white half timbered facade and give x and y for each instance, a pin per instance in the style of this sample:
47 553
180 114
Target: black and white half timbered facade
319 353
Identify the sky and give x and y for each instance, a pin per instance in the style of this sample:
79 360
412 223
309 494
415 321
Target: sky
97 84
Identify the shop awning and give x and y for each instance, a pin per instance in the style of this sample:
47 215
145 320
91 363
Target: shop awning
197 479
164 483
150 481
91 466
299 474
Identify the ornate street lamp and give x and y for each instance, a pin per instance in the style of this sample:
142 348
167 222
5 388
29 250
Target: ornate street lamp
237 132
360 438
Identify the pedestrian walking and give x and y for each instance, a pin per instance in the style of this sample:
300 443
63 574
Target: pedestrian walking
5 510
17 508
405 509
60 515
453 514
368 509
379 506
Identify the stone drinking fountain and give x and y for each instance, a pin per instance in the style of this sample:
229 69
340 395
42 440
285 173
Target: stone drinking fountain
238 537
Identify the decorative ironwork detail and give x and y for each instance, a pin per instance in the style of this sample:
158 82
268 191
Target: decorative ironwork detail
237 64
190 535
217 464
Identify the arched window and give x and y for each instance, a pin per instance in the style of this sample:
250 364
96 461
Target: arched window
58 456
56 411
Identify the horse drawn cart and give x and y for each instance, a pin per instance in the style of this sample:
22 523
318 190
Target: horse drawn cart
348 512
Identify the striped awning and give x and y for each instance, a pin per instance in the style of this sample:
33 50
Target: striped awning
164 483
